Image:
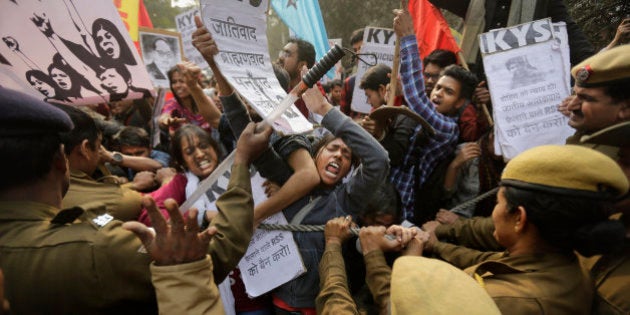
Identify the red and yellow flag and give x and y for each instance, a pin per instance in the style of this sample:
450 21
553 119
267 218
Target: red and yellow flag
133 14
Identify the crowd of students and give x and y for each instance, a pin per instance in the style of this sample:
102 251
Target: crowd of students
554 240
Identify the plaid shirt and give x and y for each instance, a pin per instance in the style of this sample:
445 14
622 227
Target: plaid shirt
421 158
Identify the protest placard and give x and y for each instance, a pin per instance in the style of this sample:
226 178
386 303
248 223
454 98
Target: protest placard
239 29
185 23
379 43
161 51
527 79
66 51
272 257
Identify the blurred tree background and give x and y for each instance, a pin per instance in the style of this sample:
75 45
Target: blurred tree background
598 19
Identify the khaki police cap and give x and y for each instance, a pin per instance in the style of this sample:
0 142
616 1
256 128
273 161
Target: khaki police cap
429 286
604 68
566 170
616 136
22 114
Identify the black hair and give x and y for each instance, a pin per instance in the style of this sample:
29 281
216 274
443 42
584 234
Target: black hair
466 79
188 131
126 56
40 75
440 57
324 141
335 82
84 128
305 50
375 76
282 76
177 98
356 36
618 90
385 200
31 158
569 222
133 136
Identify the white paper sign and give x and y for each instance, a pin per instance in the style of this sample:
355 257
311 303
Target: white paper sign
185 23
527 78
75 51
378 41
272 258
239 28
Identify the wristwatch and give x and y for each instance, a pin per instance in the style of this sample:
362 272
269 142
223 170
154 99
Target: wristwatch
117 158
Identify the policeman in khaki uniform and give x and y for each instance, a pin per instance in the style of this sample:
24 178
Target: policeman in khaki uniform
611 272
74 261
550 204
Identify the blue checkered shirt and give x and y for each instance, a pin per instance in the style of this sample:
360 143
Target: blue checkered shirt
420 159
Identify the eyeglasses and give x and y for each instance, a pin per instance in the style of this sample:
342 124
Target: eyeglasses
285 54
164 54
433 76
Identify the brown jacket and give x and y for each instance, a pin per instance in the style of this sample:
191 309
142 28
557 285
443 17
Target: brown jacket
611 275
527 284
123 203
81 261
472 233
187 288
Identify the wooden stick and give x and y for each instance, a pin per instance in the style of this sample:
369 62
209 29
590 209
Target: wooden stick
484 107
393 81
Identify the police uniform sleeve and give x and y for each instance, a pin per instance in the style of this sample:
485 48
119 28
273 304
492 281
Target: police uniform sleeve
472 233
187 288
334 297
121 263
378 278
460 256
234 223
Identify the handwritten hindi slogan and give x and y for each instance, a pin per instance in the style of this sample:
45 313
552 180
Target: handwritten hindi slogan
239 28
527 75
185 23
272 257
69 51
380 42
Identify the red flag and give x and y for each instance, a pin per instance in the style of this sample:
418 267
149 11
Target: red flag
143 16
432 30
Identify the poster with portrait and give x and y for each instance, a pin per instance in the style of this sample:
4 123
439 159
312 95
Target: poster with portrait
378 47
69 51
527 76
240 31
161 51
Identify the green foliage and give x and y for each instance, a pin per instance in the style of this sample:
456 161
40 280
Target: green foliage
599 19
162 14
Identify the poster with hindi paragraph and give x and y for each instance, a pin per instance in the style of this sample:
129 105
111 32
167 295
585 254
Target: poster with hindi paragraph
240 31
527 78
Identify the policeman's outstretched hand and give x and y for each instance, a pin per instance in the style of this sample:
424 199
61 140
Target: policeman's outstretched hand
176 243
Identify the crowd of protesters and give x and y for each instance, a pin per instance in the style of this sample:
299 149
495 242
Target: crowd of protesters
84 184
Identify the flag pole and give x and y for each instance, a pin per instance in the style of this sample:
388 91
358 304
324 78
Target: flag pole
483 106
393 81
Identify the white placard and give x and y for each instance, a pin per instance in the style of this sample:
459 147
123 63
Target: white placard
378 41
239 28
527 78
272 258
67 51
185 24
